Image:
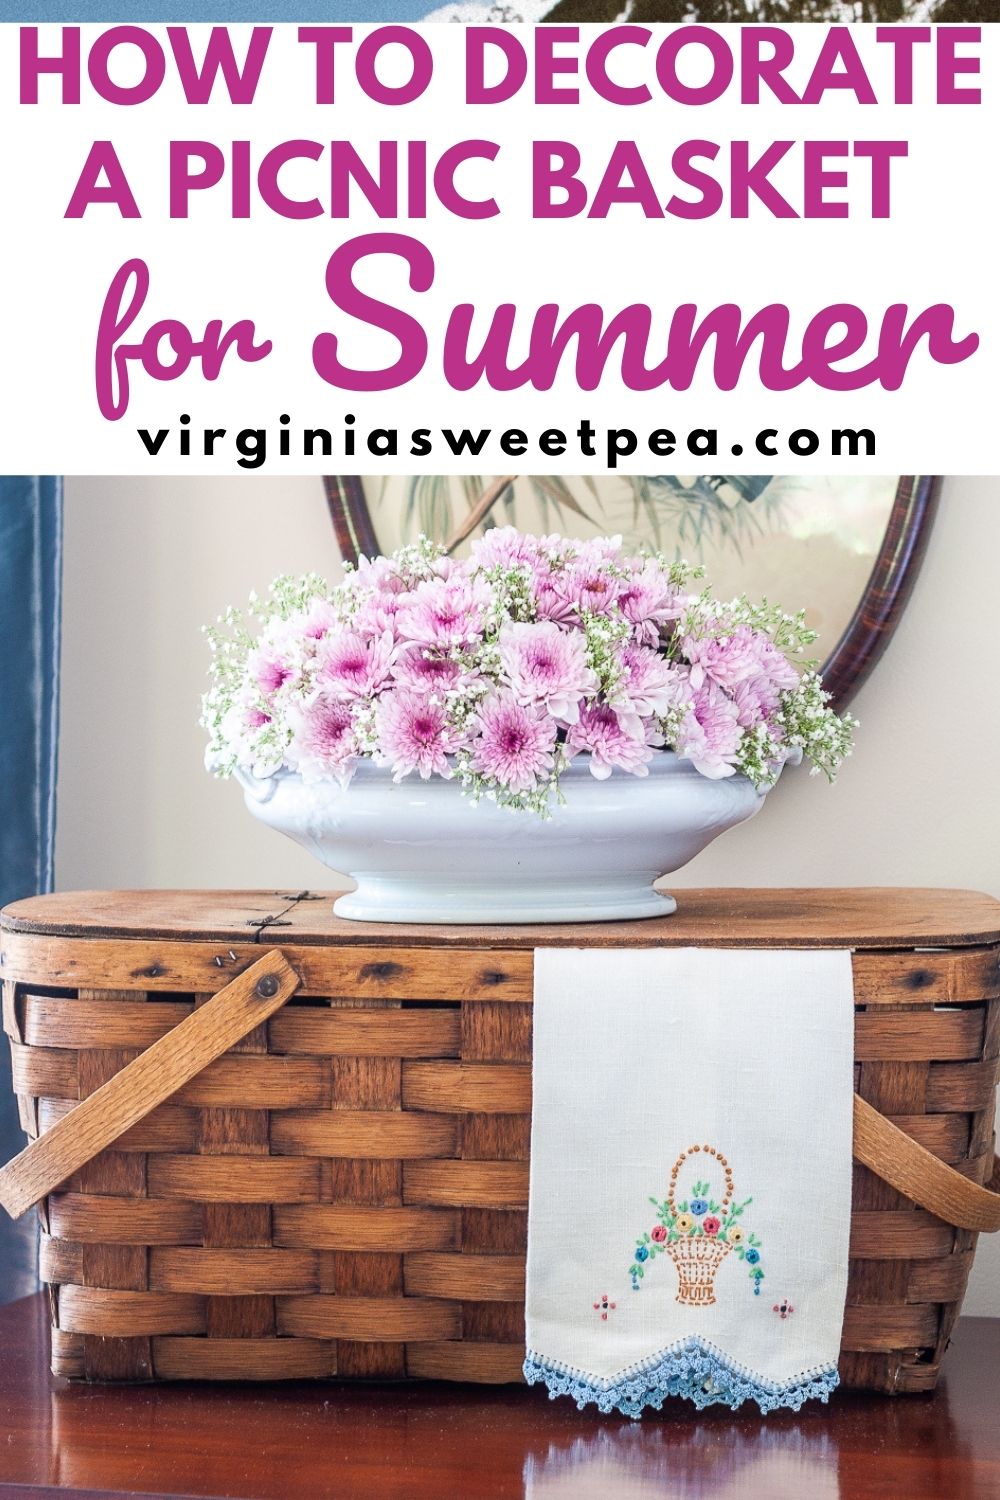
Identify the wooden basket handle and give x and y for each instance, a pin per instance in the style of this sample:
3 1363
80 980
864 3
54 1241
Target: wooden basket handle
919 1175
98 1121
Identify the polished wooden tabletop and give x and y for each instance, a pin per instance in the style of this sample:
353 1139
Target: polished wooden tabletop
437 1442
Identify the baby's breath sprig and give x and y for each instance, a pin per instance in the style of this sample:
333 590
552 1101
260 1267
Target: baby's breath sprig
463 703
810 725
707 617
669 724
512 598
603 635
679 572
417 560
289 595
759 756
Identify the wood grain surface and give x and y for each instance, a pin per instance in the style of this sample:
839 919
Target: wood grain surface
860 916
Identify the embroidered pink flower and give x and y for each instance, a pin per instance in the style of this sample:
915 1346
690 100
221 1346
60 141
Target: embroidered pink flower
648 684
711 1225
601 731
658 1233
547 666
710 733
444 612
323 740
516 743
353 666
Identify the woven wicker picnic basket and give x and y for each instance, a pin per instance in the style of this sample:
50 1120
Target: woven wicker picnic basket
268 1144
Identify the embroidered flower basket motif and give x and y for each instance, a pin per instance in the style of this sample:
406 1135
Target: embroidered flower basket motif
697 1234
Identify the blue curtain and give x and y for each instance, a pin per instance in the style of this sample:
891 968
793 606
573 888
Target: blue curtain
30 569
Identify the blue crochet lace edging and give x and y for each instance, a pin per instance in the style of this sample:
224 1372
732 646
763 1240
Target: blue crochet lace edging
691 1368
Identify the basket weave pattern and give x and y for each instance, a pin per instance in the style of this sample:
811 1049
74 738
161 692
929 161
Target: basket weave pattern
697 1262
345 1192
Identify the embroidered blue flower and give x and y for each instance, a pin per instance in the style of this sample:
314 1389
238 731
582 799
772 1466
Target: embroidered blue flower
686 1230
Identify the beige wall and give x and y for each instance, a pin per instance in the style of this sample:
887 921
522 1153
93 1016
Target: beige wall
147 561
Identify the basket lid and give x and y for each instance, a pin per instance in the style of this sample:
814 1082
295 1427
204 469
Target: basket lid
859 917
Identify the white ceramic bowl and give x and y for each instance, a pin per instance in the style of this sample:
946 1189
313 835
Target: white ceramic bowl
421 852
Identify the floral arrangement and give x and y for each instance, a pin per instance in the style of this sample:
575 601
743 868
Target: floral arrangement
501 669
698 1218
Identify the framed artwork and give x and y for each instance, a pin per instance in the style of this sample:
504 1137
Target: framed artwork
853 546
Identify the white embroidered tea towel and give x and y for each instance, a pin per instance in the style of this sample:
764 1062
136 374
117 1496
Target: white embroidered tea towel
690 1194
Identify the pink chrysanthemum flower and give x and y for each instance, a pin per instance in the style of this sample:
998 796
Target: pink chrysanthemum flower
774 664
608 739
650 602
353 665
379 613
600 549
550 601
757 697
710 734
547 666
323 739
505 547
425 670
724 659
380 574
756 700
587 588
414 734
515 745
648 684
444 612
319 619
269 671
